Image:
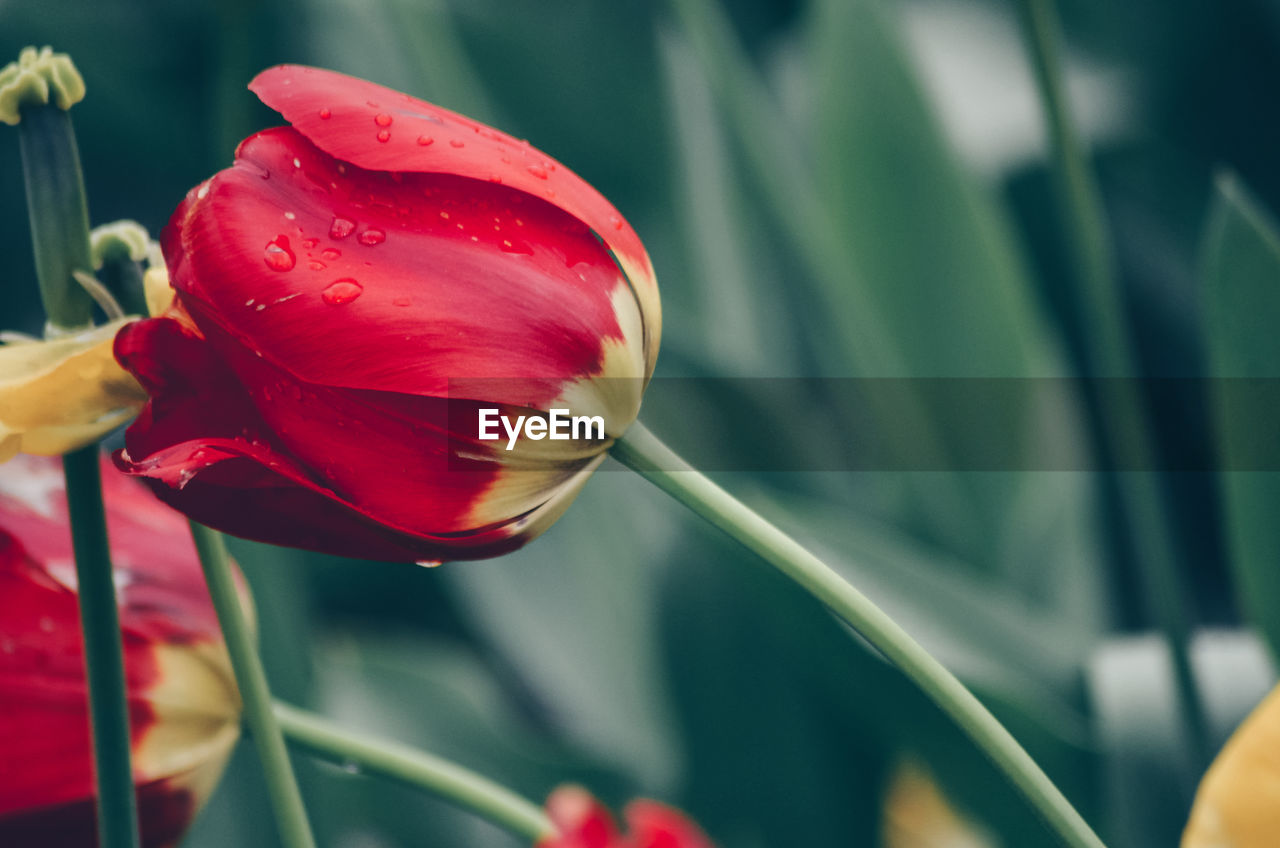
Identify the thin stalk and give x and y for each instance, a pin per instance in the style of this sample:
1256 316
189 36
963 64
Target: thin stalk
1125 420
282 786
58 213
103 653
416 769
643 452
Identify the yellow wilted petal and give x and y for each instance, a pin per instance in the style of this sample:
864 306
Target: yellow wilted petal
1238 802
61 394
918 815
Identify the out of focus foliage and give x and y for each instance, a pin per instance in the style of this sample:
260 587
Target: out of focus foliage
830 188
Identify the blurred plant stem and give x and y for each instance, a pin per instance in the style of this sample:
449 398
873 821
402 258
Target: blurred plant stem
59 218
1125 422
282 786
103 654
416 769
644 453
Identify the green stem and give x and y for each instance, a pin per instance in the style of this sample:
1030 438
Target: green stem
646 454
1124 419
103 653
58 213
282 787
417 769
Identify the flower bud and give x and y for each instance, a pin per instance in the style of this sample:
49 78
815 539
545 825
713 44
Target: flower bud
583 822
184 708
353 295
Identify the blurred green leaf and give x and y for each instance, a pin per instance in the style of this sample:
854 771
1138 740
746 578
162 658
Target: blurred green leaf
574 616
1241 279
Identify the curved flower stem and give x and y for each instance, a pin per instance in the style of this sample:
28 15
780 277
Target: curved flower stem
1125 421
103 653
643 452
417 769
282 786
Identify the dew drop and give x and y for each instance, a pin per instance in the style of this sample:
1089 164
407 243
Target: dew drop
310 243
424 140
401 301
325 114
384 136
372 236
615 221
457 142
278 256
444 215
538 171
494 178
317 266
330 253
430 563
297 163
341 228
382 119
342 292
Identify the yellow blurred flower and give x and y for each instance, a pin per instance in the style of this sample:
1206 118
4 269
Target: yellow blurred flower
62 393
1238 802
917 814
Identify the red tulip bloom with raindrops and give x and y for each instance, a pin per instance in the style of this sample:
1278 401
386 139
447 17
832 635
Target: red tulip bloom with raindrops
351 292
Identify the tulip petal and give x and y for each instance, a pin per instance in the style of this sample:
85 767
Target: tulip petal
379 129
262 261
208 450
61 394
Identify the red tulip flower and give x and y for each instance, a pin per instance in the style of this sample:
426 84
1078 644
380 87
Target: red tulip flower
583 822
352 293
184 708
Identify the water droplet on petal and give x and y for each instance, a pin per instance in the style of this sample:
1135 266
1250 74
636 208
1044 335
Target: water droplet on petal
384 136
494 178
341 228
278 256
401 301
342 292
430 563
424 140
538 171
615 221
372 237
310 243
317 266
330 253
382 119
325 114
457 142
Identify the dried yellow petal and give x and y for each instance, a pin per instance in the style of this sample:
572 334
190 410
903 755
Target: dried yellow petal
61 394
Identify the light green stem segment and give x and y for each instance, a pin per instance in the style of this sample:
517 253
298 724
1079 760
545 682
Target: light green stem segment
645 453
1125 420
282 786
58 213
416 769
103 655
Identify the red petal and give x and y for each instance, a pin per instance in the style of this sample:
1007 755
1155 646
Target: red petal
583 821
655 825
423 279
380 129
298 465
164 811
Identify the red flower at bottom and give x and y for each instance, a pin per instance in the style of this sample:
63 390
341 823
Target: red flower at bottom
584 822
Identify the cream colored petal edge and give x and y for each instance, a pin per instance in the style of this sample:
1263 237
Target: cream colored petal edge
196 707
